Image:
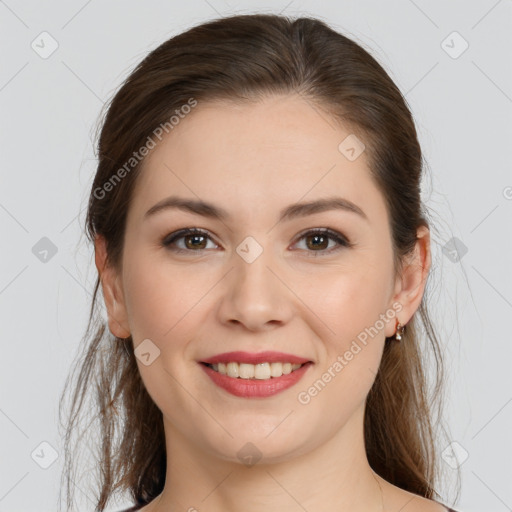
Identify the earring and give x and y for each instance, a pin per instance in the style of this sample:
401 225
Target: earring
399 330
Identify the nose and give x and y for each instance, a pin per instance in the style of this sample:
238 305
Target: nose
255 295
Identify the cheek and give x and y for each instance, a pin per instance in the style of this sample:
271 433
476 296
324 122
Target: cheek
347 300
350 305
159 300
161 306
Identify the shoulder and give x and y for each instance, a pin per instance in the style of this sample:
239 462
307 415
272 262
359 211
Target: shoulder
420 504
414 503
397 498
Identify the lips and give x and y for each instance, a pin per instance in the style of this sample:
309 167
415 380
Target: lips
255 358
254 387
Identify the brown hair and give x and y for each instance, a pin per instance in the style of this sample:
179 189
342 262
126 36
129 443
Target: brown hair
245 58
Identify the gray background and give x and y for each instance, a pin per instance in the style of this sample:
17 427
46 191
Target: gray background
462 103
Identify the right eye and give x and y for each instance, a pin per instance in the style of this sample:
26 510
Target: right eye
194 240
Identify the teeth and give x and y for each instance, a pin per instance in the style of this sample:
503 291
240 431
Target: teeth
232 369
255 371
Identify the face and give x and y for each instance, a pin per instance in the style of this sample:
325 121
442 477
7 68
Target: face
254 281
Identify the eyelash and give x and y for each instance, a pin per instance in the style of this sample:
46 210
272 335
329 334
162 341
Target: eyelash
342 241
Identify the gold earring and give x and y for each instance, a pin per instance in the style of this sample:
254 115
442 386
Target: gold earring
400 329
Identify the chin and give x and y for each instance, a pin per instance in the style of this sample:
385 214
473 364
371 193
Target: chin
258 448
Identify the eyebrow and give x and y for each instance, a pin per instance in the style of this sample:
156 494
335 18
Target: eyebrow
290 212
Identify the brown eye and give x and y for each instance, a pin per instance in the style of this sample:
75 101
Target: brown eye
317 241
195 240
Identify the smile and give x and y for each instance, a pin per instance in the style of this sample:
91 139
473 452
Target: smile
255 381
260 371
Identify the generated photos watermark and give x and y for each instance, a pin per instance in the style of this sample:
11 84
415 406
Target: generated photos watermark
138 156
304 397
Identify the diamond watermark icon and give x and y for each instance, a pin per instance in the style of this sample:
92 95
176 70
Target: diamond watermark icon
454 45
44 45
146 352
454 249
249 454
44 250
249 249
351 147
454 455
44 455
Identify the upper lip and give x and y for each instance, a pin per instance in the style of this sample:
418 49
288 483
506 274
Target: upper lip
253 358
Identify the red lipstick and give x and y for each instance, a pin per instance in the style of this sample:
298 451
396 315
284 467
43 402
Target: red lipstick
255 388
252 358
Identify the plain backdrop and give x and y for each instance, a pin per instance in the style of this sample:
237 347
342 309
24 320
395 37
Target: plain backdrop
61 60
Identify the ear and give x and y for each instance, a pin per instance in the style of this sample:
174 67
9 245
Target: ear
410 285
112 291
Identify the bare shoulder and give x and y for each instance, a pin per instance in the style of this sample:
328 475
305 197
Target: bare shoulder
417 503
396 498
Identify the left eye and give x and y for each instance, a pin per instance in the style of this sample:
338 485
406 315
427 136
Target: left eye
319 240
196 240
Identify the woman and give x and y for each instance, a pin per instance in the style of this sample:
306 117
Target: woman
263 254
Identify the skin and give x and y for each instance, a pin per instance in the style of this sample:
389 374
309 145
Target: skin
253 160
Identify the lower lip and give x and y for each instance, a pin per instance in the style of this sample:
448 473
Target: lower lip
256 388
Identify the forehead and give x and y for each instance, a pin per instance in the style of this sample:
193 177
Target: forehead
279 149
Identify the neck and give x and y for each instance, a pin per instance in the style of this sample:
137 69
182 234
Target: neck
334 476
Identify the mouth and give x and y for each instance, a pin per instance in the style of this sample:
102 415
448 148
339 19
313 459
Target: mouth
262 380
260 371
